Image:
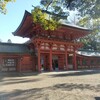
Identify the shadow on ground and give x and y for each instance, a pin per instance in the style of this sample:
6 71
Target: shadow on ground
97 98
68 73
71 86
17 81
17 74
21 94
43 93
15 78
77 73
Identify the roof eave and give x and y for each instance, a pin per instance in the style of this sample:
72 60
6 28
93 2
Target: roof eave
81 28
22 22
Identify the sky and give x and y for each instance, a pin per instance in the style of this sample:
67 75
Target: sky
10 22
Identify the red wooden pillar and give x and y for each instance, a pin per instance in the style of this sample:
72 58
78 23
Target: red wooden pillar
50 58
20 69
88 63
74 61
81 62
66 58
39 57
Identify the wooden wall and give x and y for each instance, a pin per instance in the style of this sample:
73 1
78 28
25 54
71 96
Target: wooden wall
85 62
24 62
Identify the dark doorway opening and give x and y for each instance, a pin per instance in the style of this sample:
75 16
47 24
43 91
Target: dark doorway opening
55 63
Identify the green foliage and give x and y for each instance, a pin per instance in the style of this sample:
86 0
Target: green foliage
3 4
49 14
94 24
91 41
85 7
44 19
56 8
83 21
88 9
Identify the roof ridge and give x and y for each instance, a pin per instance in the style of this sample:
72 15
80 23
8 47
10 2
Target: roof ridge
5 43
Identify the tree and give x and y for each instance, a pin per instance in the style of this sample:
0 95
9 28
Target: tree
89 12
44 19
59 9
49 14
9 41
91 41
85 7
3 4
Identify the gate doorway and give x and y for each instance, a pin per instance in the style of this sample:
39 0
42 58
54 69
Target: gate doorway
70 61
55 62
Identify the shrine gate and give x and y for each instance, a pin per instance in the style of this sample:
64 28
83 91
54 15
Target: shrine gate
52 50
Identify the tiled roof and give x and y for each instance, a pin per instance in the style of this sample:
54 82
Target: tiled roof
13 48
89 53
27 23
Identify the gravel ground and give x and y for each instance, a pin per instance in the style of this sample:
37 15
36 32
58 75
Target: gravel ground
62 85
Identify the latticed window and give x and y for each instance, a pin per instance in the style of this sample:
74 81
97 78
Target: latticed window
92 62
98 61
9 62
84 62
78 62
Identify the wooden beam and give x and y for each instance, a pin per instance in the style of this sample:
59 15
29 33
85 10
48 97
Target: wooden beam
45 40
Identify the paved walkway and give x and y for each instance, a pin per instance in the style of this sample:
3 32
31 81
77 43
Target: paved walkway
62 85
